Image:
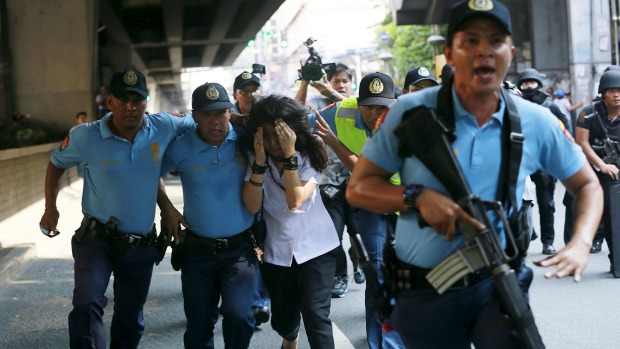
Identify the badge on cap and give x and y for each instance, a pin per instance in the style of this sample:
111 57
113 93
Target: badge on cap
423 71
376 85
212 93
246 75
130 78
481 5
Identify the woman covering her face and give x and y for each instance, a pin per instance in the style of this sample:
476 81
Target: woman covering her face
298 263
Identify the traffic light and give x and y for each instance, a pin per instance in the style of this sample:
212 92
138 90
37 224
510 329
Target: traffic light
251 43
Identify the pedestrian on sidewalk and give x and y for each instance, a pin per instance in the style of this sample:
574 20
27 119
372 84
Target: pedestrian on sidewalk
121 156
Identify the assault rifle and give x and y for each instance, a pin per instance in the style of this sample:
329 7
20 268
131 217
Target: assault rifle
377 291
422 134
610 150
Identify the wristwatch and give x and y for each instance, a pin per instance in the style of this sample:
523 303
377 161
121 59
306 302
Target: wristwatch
411 194
291 160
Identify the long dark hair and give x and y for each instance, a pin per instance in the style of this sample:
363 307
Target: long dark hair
266 109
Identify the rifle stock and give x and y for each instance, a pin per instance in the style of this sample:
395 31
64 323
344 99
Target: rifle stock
384 307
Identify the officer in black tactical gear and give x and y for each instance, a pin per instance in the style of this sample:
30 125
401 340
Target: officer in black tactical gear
598 134
530 84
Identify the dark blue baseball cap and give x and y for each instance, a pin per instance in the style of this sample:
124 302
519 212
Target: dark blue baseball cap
210 96
376 89
128 80
418 74
245 78
468 9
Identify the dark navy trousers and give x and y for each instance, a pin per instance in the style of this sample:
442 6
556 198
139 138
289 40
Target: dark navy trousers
453 320
229 274
374 230
94 264
545 188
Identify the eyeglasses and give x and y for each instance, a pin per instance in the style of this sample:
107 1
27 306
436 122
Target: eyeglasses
249 91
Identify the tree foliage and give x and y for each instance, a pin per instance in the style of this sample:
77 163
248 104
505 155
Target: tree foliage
408 46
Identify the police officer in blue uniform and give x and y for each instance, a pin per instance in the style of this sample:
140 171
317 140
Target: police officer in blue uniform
121 157
346 126
479 46
246 87
218 259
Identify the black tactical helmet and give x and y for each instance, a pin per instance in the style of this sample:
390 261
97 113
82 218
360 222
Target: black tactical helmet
609 79
530 74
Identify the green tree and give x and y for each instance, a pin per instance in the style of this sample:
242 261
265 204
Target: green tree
408 46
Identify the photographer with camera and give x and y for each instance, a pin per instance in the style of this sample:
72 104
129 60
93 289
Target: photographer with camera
333 81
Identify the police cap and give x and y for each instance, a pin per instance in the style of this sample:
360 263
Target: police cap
418 74
210 96
245 78
376 89
128 80
468 9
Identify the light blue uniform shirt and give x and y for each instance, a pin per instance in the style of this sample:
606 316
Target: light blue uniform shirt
212 179
478 150
120 177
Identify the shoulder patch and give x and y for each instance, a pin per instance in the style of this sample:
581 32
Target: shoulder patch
382 118
64 144
565 132
176 113
328 107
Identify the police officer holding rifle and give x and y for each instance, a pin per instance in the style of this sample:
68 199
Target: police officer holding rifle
491 134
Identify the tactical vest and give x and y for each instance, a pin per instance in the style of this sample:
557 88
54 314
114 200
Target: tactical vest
596 136
348 134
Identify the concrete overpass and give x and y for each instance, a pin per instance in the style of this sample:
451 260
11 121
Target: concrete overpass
569 41
60 52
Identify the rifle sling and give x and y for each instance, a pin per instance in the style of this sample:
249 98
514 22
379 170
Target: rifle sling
512 143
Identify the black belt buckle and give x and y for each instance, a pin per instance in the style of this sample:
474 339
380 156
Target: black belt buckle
221 245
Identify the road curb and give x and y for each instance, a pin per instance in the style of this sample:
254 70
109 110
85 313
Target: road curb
13 258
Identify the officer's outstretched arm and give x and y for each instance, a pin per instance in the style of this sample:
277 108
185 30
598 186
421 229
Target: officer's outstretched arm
370 188
587 210
50 217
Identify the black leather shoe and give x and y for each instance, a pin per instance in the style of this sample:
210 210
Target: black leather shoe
548 249
596 246
534 236
261 315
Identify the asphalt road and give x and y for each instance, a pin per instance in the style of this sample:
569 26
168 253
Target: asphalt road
35 303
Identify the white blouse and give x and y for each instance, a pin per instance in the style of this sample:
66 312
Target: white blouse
305 234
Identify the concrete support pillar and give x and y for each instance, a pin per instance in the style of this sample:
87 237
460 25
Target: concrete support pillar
590 46
53 58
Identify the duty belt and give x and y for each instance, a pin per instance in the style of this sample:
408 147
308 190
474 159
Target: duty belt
411 277
198 244
104 233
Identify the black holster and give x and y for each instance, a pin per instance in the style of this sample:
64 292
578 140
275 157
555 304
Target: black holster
520 228
178 252
389 267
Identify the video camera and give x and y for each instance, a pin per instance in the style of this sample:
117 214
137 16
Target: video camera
258 69
314 69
